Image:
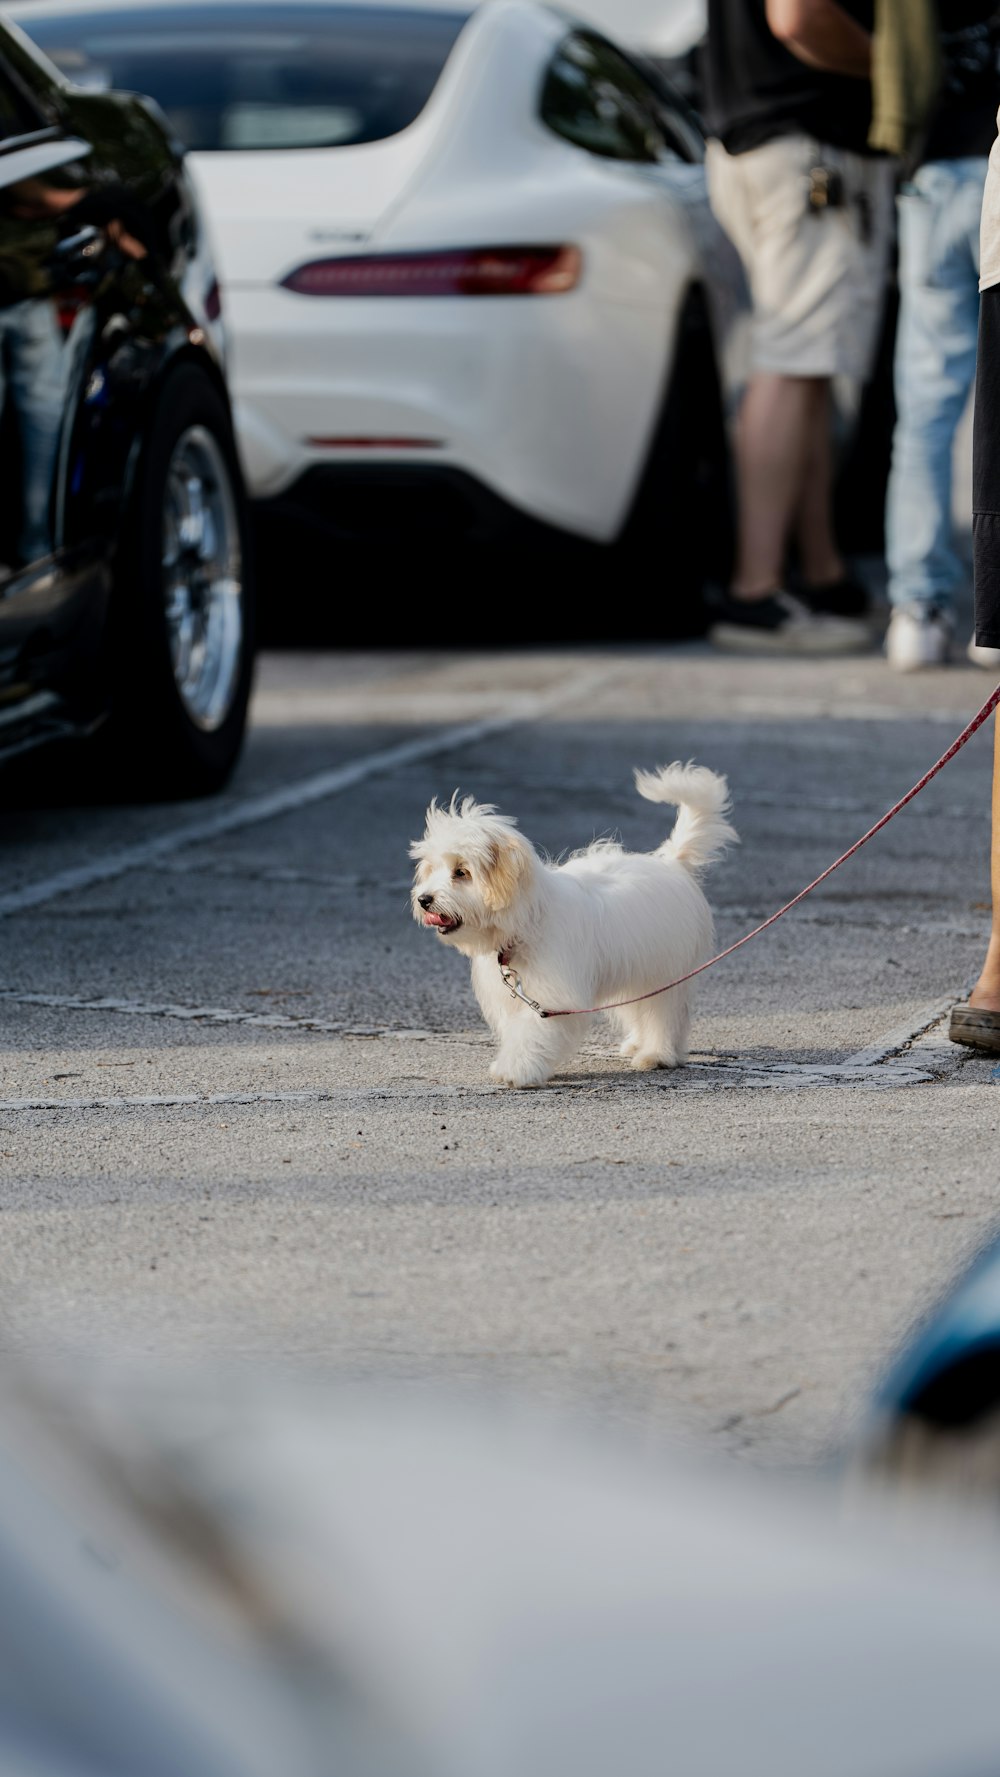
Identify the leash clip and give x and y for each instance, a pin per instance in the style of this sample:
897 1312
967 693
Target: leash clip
512 981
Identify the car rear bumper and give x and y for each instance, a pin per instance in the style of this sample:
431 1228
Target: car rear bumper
549 403
400 503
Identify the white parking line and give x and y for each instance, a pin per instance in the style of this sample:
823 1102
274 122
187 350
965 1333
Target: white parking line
292 797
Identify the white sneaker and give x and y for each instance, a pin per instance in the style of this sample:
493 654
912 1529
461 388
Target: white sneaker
918 636
987 658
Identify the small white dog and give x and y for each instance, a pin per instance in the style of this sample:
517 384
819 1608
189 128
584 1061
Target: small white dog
606 925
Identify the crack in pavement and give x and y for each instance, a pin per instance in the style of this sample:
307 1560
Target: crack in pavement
784 1076
290 1021
908 1036
910 1057
290 798
300 1022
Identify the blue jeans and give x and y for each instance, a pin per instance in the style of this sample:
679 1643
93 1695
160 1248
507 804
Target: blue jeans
939 215
32 372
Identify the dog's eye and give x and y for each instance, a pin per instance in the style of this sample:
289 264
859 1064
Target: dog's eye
460 875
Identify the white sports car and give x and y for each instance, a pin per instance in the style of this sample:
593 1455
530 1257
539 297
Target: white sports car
464 249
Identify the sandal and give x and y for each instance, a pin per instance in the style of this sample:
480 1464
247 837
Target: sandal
977 1027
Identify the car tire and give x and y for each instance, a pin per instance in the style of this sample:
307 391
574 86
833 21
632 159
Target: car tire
681 522
182 624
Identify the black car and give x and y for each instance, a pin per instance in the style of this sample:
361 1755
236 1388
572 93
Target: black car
126 605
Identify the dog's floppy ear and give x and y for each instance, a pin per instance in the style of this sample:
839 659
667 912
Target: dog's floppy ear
506 863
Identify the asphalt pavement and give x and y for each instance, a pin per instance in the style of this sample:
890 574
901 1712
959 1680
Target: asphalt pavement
245 1116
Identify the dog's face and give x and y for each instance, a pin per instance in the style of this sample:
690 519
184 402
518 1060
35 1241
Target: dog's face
472 865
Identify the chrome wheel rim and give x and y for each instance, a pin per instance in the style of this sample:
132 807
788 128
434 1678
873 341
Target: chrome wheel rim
202 578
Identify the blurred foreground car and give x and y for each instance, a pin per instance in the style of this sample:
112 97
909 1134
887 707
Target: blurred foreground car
936 1423
292 1583
467 260
125 608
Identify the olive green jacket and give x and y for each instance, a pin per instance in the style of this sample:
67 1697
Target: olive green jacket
906 73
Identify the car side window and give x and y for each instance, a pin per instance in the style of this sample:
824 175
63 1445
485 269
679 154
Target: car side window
595 99
19 115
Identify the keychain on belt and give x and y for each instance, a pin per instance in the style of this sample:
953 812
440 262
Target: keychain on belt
826 192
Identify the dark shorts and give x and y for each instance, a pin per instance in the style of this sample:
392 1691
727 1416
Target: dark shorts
986 473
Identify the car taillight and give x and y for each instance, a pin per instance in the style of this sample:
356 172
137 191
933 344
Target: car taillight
478 271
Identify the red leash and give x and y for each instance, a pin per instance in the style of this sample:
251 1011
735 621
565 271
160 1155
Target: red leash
583 1011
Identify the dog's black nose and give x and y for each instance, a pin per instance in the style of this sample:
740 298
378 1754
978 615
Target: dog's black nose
425 901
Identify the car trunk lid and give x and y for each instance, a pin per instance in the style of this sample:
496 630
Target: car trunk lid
271 211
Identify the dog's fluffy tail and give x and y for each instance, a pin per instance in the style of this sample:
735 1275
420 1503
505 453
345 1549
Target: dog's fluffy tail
701 832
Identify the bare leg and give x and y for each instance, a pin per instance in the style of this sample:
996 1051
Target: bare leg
775 444
986 992
819 558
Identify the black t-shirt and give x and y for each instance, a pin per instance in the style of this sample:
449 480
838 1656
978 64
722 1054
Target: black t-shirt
966 121
757 90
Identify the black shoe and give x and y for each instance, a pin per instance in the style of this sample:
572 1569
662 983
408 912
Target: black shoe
837 598
782 624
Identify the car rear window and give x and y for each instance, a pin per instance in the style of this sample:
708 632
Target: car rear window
236 77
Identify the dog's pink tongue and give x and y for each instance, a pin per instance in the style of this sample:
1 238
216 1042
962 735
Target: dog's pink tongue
436 919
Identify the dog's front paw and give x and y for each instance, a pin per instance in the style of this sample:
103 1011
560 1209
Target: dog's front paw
523 1079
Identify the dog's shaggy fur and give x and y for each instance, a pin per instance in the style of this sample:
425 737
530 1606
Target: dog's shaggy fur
605 925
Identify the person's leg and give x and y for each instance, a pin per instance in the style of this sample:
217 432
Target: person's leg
820 560
775 451
986 993
935 365
797 261
37 386
863 228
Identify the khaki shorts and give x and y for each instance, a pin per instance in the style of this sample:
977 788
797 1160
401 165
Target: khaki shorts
818 280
